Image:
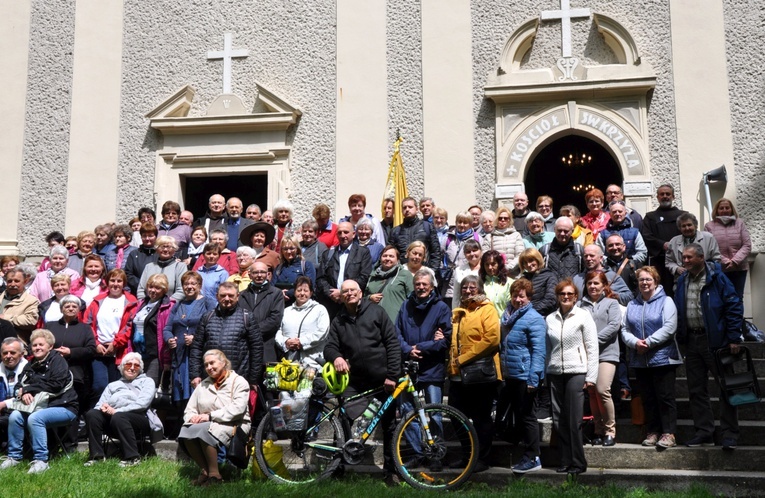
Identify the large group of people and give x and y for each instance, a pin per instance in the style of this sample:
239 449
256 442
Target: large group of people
516 312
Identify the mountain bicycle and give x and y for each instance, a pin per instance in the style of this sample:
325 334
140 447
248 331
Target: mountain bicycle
435 445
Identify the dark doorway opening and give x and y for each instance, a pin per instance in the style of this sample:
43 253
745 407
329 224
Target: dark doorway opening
251 189
591 166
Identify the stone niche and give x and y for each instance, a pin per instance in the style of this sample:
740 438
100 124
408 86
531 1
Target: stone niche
227 140
606 103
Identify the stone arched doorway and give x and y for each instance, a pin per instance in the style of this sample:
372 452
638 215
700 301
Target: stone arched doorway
567 168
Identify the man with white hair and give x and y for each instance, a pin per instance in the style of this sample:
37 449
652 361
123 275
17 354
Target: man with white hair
235 223
363 342
563 256
215 217
13 363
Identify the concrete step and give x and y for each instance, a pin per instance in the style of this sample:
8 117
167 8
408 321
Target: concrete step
745 412
719 483
681 386
759 368
752 432
634 456
757 349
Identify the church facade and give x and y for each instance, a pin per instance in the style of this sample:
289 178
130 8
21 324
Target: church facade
113 105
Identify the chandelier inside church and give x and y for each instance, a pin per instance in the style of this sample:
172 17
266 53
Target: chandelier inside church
582 187
576 159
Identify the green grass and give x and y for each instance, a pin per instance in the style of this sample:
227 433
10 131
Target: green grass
156 478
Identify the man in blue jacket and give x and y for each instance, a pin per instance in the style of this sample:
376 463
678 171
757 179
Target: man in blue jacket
424 327
709 317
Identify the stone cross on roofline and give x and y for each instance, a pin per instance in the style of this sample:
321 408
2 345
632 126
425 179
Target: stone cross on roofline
227 54
565 14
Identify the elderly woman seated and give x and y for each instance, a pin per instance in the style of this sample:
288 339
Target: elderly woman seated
121 412
45 376
216 407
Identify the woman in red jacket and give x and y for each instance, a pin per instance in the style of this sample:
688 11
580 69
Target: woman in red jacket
109 316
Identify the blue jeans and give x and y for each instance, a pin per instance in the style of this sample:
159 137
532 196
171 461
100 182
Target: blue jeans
37 423
433 394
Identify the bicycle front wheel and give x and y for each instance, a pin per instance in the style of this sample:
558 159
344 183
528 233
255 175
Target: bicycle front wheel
443 461
299 457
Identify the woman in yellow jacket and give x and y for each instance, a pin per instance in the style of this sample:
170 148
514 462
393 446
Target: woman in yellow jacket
475 335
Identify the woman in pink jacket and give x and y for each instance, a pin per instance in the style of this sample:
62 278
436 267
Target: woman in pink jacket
734 241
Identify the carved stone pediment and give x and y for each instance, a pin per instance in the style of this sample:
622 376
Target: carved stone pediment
225 115
568 78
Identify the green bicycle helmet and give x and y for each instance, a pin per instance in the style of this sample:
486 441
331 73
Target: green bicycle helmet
336 382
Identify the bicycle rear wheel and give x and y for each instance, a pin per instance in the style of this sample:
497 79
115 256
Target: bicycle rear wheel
448 460
291 457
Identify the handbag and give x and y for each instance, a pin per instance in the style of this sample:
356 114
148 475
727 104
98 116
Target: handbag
40 400
480 371
239 449
163 398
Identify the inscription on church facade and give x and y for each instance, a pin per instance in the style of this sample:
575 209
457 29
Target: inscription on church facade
614 133
527 141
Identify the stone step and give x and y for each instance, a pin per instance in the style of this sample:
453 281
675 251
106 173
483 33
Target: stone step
741 484
759 368
745 412
752 432
634 456
681 386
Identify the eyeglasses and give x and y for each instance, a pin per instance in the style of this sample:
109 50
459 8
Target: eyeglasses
258 272
469 287
504 218
567 294
645 280
132 366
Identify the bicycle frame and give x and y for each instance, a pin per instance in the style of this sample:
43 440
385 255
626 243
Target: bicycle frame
404 383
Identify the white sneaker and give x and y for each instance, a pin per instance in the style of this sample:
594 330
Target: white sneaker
38 467
8 463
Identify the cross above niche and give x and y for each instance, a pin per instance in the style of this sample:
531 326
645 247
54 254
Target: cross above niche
227 54
565 14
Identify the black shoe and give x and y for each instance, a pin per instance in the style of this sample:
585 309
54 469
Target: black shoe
435 465
729 444
609 441
562 470
597 441
480 467
414 462
458 464
574 471
392 480
696 441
